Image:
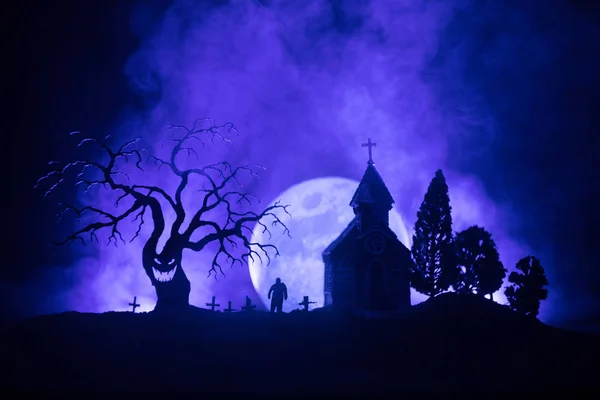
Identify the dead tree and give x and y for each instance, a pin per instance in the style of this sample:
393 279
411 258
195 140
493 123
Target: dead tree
164 267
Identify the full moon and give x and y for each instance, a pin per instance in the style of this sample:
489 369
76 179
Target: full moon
319 211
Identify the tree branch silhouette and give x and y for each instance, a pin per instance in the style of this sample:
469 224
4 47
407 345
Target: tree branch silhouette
143 195
232 234
229 235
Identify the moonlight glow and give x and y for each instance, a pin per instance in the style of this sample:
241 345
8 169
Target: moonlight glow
320 211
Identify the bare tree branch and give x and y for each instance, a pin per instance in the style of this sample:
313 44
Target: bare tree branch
139 216
226 235
232 236
142 195
194 134
213 198
94 227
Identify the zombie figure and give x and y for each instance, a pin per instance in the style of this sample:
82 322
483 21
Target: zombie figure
279 293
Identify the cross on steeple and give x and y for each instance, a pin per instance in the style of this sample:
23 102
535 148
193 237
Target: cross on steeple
370 145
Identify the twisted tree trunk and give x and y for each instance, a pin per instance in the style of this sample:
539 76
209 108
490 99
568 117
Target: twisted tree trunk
173 296
164 269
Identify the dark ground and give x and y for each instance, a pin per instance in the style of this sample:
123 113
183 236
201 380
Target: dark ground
450 343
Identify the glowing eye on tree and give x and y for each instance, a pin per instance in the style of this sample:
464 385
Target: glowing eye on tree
156 260
172 261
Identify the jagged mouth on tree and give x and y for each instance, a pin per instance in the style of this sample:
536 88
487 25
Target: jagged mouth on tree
166 273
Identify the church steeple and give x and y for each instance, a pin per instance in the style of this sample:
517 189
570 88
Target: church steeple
367 267
372 200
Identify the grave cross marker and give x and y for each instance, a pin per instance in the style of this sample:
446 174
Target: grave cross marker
134 305
249 306
212 305
228 309
305 303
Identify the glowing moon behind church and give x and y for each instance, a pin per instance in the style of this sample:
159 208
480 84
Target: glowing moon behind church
320 211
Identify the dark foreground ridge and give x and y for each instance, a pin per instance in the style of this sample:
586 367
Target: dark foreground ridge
451 342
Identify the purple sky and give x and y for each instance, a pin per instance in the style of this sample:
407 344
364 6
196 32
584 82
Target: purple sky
304 91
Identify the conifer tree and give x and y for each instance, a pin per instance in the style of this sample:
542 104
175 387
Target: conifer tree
432 272
527 289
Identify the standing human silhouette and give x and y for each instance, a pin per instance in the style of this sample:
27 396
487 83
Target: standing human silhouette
277 294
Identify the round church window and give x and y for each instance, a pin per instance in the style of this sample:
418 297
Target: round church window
375 243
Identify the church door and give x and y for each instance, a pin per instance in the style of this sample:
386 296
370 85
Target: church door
376 286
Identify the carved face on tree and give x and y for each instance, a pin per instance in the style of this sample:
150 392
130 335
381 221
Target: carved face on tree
164 265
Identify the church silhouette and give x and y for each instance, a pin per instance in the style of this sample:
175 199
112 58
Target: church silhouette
367 267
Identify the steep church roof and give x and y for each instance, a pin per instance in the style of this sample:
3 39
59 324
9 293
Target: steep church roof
350 229
372 189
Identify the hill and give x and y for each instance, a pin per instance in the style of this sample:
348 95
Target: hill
449 343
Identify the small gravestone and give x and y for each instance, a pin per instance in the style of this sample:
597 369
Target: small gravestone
212 304
305 303
134 305
249 306
228 309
